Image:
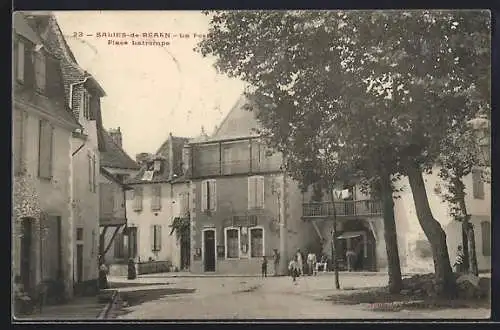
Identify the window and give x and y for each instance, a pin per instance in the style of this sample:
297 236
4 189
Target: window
137 198
86 108
45 150
40 74
232 242
18 137
486 238
208 195
155 238
20 62
156 198
79 234
256 192
256 242
477 184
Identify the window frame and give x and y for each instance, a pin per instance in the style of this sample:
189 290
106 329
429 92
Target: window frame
250 229
208 196
156 245
478 190
86 109
226 250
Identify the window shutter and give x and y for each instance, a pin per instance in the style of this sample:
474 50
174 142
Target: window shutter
20 63
138 198
213 195
152 237
477 184
251 192
17 151
53 77
204 195
40 72
94 174
29 68
89 163
45 150
156 199
158 237
259 200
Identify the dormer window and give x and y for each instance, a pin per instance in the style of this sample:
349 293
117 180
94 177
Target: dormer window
157 165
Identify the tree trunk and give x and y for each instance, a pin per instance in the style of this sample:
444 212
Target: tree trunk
335 244
445 281
472 246
390 235
459 188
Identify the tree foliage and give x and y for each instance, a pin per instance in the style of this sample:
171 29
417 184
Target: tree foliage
379 90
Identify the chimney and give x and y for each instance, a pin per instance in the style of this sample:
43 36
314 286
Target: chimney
142 158
116 135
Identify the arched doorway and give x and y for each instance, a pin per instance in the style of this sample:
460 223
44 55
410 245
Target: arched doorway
356 236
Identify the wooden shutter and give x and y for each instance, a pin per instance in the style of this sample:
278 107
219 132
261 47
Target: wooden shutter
204 195
40 71
158 237
29 68
20 62
18 137
251 192
138 198
53 77
259 192
152 237
156 198
45 150
89 164
213 195
477 184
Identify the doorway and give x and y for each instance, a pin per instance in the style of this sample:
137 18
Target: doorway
26 252
79 263
209 250
132 242
185 250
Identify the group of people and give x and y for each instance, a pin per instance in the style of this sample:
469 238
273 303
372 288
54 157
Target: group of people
296 265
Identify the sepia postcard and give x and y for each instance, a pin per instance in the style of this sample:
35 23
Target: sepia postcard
251 165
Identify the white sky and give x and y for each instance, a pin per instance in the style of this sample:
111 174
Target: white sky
148 95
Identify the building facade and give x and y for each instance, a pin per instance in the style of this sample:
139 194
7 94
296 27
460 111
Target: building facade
117 242
158 196
243 205
42 226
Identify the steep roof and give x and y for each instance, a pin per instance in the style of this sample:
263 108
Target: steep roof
164 153
114 156
54 107
239 122
47 27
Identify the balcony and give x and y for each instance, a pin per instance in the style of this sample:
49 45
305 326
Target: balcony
344 209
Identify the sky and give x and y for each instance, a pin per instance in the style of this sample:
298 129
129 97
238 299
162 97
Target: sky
151 90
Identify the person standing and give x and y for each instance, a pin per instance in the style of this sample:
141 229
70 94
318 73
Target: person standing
264 266
300 262
311 263
293 268
351 258
276 259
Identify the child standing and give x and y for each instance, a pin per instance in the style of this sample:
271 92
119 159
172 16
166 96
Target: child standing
264 266
293 267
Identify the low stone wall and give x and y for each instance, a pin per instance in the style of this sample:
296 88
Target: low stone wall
153 267
118 270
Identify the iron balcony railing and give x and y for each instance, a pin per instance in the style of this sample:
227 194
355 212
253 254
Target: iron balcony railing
367 207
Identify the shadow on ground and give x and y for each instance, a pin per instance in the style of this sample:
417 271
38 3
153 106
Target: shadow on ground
138 297
383 301
117 285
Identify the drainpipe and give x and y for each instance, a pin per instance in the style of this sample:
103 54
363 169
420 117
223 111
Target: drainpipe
71 86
